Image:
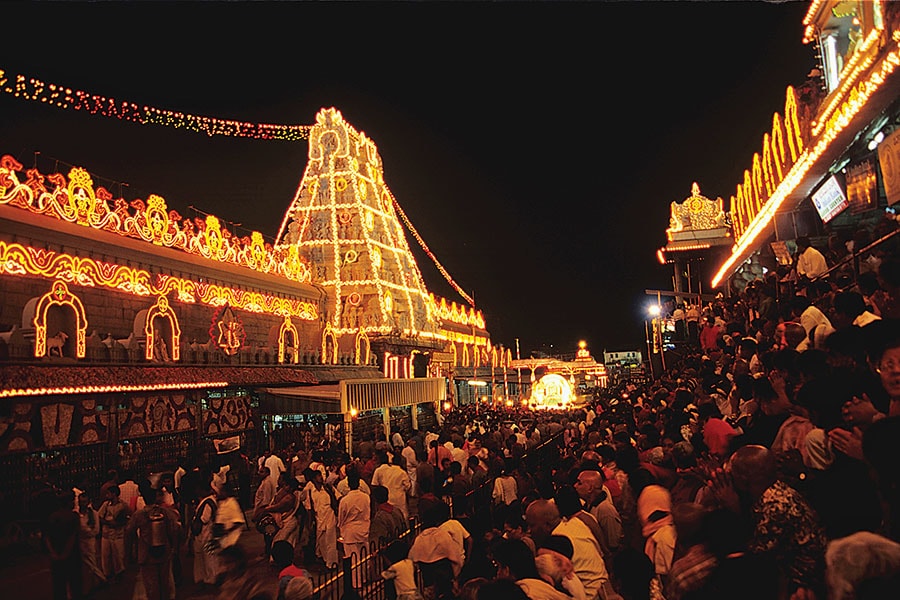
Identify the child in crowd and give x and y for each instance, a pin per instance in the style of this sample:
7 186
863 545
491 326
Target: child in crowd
401 571
288 572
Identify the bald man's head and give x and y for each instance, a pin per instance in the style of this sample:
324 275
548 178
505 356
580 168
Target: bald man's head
589 485
753 469
542 517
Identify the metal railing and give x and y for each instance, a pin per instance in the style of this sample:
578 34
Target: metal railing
855 257
480 498
363 573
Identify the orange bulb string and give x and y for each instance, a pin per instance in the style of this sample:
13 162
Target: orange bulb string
33 89
430 254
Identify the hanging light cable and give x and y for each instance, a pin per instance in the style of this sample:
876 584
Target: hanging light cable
59 96
430 254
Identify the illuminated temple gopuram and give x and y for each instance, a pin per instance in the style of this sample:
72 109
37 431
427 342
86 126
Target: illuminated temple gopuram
131 336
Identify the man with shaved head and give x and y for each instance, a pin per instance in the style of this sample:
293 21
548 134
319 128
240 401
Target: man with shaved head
544 520
598 503
784 524
542 517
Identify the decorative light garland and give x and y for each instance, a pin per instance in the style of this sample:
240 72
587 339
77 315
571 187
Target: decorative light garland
430 254
29 88
16 259
77 201
109 389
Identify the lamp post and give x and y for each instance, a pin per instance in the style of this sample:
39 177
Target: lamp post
653 312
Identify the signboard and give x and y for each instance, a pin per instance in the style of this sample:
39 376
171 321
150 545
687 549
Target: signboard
631 356
781 251
889 159
829 199
862 186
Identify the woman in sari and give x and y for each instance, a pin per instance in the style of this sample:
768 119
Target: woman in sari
284 508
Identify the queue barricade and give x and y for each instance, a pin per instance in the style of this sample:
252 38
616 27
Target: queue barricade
361 573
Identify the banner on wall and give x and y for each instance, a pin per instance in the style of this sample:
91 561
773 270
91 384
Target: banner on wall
862 186
226 445
889 161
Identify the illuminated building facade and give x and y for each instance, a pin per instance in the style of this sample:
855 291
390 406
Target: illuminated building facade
699 230
818 171
131 337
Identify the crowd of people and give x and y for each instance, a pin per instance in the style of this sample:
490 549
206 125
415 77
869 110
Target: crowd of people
760 464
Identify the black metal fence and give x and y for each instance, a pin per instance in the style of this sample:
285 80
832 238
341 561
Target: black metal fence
363 573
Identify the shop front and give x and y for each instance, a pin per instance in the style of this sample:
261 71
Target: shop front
826 170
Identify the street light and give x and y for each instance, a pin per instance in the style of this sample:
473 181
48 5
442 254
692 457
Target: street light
653 311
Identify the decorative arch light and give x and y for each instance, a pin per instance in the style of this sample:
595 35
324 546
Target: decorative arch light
553 391
780 152
288 328
16 259
363 348
59 295
328 334
162 310
845 104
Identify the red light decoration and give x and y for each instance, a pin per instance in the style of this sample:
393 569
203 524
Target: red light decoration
162 310
76 201
58 295
287 327
29 88
16 259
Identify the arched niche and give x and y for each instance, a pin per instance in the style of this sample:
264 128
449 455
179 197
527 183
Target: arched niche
61 312
363 348
288 333
329 346
162 332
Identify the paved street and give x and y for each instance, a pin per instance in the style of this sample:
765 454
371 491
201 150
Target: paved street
29 575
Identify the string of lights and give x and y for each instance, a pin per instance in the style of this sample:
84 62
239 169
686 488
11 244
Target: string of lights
430 254
29 88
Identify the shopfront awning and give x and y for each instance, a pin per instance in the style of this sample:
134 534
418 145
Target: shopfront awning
307 399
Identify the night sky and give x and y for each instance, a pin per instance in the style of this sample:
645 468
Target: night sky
535 146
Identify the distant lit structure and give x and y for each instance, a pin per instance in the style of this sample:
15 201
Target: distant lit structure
553 391
581 374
